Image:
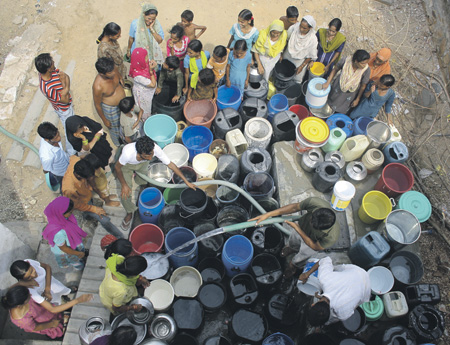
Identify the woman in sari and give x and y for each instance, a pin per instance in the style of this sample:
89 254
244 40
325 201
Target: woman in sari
63 234
302 45
348 87
32 317
146 32
330 46
269 46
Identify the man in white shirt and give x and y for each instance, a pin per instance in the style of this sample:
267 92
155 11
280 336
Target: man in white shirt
344 287
135 157
54 159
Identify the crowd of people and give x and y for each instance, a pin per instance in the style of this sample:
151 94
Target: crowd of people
360 86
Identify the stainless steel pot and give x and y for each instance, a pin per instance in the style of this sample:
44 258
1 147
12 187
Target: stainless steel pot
311 159
145 315
378 133
121 320
91 326
160 172
355 171
164 327
335 157
254 76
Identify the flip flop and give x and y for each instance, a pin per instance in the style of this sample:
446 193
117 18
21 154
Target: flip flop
126 226
286 251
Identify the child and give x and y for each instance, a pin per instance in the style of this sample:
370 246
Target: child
172 78
195 60
129 121
244 29
376 95
290 18
238 68
218 63
189 27
143 73
177 44
206 87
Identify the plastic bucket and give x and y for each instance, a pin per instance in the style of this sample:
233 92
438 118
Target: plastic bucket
316 97
355 323
312 285
210 246
218 148
151 203
343 193
406 267
169 217
395 179
237 255
301 111
161 128
160 293
230 215
200 113
292 93
416 203
186 281
188 173
301 145
162 104
147 238
283 73
278 339
193 203
277 103
213 296
360 125
229 97
177 153
212 270
225 195
259 185
205 165
197 139
375 206
172 195
317 70
185 257
381 280
401 228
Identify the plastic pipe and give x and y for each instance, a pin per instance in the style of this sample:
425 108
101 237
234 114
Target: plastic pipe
20 140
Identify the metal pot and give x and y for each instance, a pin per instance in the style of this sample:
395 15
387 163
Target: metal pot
254 76
146 313
335 157
378 133
160 172
355 171
121 320
311 159
164 327
92 325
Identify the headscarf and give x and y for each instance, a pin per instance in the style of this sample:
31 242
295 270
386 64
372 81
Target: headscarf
101 149
56 222
350 79
263 45
303 46
144 39
138 66
377 72
112 263
330 46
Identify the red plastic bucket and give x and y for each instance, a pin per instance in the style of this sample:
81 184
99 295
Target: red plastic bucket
301 111
395 179
147 238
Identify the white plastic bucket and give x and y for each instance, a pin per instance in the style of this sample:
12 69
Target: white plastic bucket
205 165
312 285
160 293
381 280
258 132
177 153
186 281
316 97
343 193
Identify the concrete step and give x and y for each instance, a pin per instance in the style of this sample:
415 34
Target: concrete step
28 232
71 338
31 342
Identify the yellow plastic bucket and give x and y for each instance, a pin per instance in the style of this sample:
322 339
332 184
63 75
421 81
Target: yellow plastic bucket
375 206
318 69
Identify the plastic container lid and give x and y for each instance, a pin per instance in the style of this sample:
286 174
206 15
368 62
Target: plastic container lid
314 130
416 203
318 68
373 309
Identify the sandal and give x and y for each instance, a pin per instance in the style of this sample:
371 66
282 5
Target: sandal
286 251
126 226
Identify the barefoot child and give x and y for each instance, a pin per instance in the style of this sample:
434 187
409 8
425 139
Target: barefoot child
238 68
244 29
206 87
218 63
189 27
143 73
290 18
195 60
177 44
172 78
129 121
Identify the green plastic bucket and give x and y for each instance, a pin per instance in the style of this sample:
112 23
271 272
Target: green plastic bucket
373 309
416 203
172 195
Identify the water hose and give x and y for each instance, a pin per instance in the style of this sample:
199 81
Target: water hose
218 182
20 140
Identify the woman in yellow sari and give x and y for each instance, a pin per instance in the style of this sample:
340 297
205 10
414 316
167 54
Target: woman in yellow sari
269 46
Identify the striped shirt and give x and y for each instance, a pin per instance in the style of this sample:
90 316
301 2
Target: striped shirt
52 90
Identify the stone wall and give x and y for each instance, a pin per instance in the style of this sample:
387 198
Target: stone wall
438 13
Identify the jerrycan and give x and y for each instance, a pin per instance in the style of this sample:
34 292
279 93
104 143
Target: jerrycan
236 142
335 140
395 152
354 147
326 175
395 304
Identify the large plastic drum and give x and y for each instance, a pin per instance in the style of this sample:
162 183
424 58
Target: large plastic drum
237 255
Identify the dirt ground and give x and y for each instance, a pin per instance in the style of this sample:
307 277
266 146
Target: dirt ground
77 23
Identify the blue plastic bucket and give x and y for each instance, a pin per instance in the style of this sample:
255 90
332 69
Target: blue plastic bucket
161 128
360 125
185 257
229 97
151 203
197 139
277 103
278 339
342 121
237 255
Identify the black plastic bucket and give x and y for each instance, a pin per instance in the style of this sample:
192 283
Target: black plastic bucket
268 239
230 215
192 203
212 270
162 104
267 270
248 326
209 247
212 296
169 218
283 74
244 290
406 267
188 314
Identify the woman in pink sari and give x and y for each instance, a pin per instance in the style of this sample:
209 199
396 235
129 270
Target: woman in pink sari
25 313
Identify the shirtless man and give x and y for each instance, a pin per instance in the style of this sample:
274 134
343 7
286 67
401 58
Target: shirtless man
108 91
187 18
